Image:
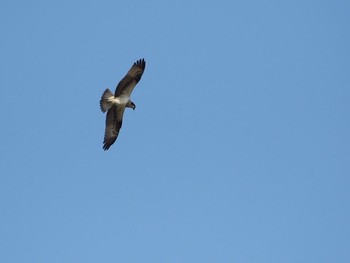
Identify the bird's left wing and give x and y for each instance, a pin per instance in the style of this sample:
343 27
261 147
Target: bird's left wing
114 121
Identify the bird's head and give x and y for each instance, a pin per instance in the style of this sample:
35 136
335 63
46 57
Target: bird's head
133 105
130 104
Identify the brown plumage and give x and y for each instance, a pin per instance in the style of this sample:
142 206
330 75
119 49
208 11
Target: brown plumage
115 105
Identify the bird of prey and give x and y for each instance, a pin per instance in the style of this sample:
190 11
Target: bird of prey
116 103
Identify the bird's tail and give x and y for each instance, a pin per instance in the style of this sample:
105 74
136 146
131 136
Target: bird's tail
104 104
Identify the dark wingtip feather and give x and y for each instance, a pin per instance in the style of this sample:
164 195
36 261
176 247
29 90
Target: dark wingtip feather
106 144
106 147
141 63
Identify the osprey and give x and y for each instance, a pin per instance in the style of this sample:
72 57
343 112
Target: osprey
116 104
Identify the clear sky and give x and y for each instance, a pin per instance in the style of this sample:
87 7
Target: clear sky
238 150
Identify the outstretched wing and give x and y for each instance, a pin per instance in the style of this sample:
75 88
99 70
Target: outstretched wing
128 83
114 120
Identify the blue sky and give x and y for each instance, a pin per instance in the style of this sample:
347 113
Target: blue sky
238 150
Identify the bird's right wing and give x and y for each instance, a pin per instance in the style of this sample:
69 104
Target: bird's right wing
128 83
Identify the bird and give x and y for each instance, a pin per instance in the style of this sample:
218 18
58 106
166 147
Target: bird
115 104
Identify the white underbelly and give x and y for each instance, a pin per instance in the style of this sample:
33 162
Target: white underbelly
119 100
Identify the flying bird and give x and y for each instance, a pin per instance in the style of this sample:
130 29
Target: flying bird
116 103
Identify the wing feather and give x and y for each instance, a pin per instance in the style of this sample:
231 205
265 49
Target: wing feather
114 121
128 83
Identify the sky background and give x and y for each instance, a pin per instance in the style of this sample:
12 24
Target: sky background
238 150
